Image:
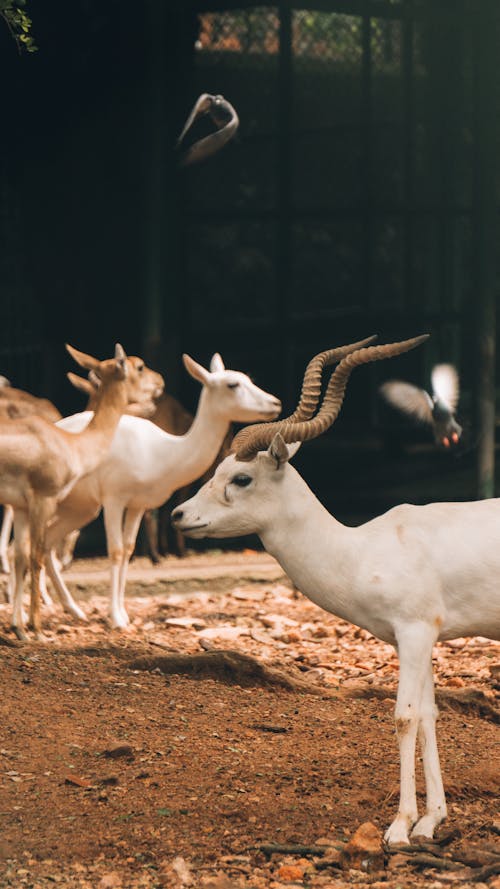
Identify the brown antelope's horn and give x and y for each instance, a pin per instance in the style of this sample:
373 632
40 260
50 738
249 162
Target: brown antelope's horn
224 117
257 438
311 385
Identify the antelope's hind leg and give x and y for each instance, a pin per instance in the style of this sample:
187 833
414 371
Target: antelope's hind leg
415 642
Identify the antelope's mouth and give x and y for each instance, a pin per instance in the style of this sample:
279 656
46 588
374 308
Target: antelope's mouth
189 529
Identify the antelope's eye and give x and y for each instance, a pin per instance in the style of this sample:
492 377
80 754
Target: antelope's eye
241 480
140 368
232 385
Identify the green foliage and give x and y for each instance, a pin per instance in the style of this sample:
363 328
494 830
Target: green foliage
18 23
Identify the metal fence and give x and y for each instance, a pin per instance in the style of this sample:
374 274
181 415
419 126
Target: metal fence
350 203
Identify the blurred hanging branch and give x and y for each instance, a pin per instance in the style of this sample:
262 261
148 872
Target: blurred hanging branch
18 23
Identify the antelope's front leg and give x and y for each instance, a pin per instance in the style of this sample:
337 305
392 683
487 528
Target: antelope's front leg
414 642
7 522
113 524
130 530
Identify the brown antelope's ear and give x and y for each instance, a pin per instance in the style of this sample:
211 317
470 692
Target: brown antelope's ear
81 383
216 363
279 451
83 359
196 370
121 359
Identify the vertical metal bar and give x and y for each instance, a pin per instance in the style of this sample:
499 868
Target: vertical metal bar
284 197
367 174
156 154
407 25
486 35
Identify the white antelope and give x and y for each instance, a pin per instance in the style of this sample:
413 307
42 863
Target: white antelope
146 465
40 463
411 577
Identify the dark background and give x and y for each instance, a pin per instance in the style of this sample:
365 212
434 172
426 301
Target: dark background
359 197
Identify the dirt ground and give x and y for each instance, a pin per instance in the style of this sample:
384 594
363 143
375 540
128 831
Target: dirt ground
123 764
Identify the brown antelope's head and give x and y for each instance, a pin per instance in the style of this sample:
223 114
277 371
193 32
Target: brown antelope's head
143 385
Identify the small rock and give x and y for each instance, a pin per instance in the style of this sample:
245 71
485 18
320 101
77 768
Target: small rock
77 782
248 594
258 636
187 622
277 620
290 873
228 632
365 850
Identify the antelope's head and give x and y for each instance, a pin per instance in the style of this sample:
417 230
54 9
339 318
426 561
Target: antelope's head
232 394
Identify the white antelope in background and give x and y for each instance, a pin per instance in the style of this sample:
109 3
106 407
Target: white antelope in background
40 463
146 465
411 577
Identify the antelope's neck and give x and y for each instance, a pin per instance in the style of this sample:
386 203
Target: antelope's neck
95 440
314 549
201 444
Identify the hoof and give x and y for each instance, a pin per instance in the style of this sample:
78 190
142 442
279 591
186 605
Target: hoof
120 623
20 633
397 833
426 826
78 614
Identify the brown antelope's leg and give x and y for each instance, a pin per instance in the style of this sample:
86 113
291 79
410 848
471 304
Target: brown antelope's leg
21 561
151 528
40 511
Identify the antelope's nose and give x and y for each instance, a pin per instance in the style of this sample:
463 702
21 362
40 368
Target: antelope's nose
177 515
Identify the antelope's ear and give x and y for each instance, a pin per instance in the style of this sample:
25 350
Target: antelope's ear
121 360
196 370
81 358
216 363
80 383
280 452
